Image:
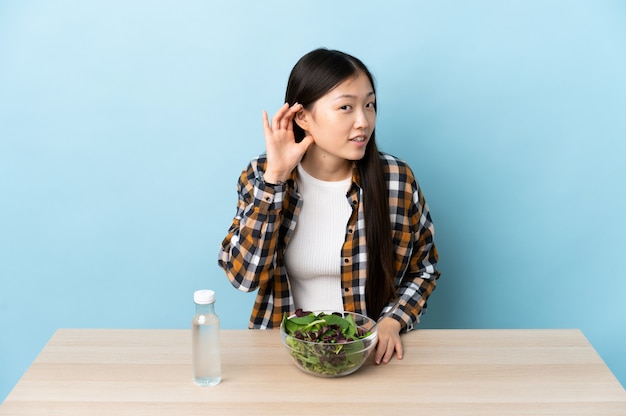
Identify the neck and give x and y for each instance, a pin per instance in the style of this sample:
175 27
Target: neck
326 167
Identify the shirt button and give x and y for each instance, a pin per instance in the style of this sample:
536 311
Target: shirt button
346 260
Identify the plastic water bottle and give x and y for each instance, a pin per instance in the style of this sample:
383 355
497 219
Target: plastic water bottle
205 334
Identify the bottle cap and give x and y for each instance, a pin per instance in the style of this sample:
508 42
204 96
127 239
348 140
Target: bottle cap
203 297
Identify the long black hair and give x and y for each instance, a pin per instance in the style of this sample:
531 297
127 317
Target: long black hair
313 76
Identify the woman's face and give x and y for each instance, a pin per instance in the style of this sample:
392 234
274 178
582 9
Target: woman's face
341 122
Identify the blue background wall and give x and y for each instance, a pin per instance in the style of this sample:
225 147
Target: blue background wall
124 126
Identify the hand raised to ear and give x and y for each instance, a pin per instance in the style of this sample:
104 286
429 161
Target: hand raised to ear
283 153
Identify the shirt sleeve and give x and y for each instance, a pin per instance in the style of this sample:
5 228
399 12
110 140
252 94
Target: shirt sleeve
248 251
418 274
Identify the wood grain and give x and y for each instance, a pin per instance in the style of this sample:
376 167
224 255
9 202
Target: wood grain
444 372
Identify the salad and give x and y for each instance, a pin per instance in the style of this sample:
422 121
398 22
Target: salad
328 344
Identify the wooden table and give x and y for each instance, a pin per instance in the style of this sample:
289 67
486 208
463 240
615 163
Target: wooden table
444 372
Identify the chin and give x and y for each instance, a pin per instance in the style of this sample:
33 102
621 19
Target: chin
357 156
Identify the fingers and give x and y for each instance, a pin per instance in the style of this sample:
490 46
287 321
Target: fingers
283 119
384 352
307 141
386 349
278 116
266 122
389 341
293 111
399 351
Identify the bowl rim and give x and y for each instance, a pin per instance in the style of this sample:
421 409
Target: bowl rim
373 336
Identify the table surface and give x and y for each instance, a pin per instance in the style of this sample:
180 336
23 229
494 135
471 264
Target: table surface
444 372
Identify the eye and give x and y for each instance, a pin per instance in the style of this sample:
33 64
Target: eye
371 105
345 107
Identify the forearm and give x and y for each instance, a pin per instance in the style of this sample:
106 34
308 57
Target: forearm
411 301
417 278
247 252
416 283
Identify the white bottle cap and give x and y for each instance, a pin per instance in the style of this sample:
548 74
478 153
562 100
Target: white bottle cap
203 297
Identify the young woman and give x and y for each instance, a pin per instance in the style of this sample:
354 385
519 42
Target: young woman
324 220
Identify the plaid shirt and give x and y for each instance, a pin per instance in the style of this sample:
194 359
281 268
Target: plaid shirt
252 254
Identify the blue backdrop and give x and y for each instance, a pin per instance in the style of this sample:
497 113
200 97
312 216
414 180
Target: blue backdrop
124 127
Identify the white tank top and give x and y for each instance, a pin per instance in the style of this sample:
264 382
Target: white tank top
313 256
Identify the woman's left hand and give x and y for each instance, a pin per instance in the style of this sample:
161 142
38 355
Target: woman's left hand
388 340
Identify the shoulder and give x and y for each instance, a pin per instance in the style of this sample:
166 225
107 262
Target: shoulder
396 169
404 189
391 160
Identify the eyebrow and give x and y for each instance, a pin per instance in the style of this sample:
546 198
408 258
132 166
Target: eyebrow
354 96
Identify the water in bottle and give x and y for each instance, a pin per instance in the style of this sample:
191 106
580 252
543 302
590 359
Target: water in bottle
205 333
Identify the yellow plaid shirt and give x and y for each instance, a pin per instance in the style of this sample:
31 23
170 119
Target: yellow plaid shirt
267 215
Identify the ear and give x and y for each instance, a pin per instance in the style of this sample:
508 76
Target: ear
302 119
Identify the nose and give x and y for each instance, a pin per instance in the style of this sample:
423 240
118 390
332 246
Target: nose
362 121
